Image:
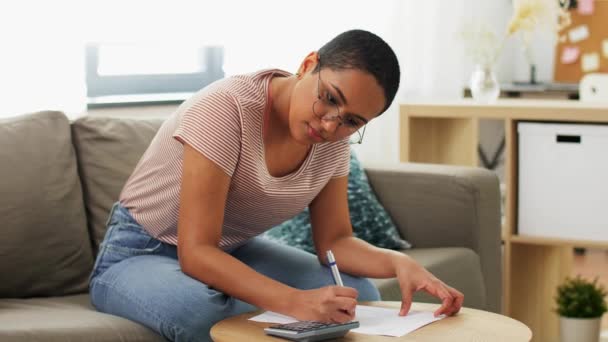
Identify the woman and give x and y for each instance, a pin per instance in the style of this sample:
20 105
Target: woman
242 155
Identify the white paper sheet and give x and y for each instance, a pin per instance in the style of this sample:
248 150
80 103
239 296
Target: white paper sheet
372 320
386 321
578 33
273 317
590 62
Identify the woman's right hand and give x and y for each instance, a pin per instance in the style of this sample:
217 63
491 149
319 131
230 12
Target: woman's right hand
330 304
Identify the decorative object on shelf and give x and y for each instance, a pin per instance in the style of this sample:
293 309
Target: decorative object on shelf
594 87
483 46
580 305
530 15
483 83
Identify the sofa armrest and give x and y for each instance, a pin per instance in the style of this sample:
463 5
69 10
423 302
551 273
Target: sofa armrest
446 206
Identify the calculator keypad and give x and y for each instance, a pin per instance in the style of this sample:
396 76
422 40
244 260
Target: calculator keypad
303 326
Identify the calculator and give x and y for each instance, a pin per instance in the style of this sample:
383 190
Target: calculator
308 331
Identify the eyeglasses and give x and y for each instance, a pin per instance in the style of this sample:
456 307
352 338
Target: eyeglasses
327 104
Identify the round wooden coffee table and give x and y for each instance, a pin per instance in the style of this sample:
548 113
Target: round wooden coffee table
468 325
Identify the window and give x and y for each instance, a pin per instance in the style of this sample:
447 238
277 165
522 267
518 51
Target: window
123 74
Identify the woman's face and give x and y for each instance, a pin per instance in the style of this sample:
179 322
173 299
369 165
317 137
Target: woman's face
343 102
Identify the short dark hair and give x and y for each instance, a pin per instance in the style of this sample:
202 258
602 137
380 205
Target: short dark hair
363 50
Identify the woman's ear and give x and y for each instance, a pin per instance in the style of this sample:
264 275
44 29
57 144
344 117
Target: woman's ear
308 64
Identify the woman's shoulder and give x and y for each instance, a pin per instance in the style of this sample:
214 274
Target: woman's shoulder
254 83
241 87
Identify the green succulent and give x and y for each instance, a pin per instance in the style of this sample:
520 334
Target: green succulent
580 298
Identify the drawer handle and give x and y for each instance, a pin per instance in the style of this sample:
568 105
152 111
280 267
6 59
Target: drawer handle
560 138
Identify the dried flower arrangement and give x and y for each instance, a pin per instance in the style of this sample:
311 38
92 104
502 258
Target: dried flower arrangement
484 46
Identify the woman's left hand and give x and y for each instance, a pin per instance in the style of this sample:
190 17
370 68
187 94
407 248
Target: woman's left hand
413 277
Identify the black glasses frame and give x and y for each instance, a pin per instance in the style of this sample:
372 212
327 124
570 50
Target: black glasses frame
337 116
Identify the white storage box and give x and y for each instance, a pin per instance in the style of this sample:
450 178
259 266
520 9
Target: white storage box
563 180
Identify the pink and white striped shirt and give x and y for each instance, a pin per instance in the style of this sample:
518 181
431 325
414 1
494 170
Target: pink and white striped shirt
225 121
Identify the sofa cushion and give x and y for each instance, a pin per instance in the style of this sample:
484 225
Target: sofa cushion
44 243
108 150
70 318
458 267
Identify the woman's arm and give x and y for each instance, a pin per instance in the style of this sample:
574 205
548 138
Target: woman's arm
203 195
332 229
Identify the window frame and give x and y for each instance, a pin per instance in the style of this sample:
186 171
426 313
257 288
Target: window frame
135 85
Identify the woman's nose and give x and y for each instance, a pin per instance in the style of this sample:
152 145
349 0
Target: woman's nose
331 125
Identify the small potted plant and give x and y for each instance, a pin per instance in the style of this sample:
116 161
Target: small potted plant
580 304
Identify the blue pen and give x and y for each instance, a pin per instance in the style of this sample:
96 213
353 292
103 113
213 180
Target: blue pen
334 268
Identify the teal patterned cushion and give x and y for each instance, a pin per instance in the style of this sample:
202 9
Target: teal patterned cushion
369 219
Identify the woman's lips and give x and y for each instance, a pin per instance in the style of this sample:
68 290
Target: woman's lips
314 134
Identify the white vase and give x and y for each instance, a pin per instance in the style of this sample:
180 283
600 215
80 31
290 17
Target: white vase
579 329
483 84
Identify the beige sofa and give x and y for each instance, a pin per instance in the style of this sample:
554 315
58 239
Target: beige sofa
58 180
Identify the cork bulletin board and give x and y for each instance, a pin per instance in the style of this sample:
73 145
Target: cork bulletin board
573 56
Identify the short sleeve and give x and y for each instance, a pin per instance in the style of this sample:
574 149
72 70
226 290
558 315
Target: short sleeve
212 126
342 161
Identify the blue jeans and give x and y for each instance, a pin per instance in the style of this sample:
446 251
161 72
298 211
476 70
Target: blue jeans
139 278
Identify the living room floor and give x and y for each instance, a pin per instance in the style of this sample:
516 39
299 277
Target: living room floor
593 264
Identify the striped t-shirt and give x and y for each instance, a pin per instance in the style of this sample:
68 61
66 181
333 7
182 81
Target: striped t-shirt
225 122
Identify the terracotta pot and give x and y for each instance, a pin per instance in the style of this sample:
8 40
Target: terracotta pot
579 329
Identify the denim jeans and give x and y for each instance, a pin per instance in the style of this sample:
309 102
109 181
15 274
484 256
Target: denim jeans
139 278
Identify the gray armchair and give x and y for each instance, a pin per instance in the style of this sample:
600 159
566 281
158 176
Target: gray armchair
451 215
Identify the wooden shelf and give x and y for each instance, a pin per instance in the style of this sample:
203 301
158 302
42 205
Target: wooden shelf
511 109
447 133
535 240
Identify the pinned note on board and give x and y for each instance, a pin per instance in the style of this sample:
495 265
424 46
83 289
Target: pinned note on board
570 54
605 48
585 7
578 33
590 62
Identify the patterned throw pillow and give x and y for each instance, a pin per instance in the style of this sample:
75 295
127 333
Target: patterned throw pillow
369 219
